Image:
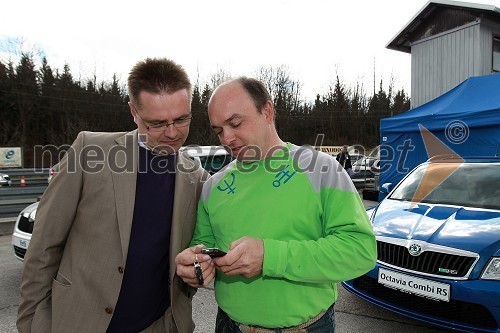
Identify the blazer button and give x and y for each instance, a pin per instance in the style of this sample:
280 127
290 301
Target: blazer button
120 270
108 310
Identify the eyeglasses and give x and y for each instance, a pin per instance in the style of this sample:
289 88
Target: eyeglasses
156 128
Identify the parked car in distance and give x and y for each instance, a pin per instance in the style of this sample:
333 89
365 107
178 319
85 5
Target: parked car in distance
211 158
362 173
5 180
356 157
23 229
438 244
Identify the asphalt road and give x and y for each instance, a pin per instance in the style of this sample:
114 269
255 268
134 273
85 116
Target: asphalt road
352 314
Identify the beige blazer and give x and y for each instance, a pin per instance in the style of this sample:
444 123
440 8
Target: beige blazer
73 268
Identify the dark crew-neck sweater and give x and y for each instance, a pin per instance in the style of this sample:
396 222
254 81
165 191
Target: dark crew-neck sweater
144 295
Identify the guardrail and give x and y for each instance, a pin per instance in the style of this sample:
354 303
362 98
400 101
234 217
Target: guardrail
18 172
13 199
31 176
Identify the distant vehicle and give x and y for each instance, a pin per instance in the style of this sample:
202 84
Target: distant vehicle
366 165
5 180
23 229
355 153
356 157
375 166
211 158
439 255
25 221
364 172
367 172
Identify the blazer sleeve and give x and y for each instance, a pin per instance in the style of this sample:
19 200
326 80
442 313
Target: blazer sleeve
54 219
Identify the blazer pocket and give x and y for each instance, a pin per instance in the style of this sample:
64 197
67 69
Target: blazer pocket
62 280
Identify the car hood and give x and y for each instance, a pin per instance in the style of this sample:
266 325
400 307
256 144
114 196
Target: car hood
469 229
30 210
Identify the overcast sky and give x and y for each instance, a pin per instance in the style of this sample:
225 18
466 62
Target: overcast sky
315 39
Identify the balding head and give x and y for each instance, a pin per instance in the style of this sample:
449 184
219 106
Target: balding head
254 88
242 115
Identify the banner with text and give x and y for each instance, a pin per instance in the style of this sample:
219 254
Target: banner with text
332 150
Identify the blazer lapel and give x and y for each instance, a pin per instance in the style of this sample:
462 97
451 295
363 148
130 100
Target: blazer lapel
184 199
125 160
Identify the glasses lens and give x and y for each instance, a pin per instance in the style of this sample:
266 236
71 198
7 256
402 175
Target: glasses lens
162 127
182 122
157 129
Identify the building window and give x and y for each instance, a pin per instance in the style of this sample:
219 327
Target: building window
496 54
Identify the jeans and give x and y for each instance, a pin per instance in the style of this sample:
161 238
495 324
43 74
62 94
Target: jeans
326 324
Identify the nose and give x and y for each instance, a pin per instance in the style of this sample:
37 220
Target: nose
170 131
226 137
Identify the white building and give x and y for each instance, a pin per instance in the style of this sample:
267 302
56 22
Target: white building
449 41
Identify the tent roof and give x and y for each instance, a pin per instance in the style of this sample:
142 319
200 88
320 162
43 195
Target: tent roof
476 102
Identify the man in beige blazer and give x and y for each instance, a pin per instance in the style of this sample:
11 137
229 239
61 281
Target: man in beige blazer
109 225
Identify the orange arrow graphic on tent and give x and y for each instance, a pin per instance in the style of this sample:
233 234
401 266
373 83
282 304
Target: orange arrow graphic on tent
435 173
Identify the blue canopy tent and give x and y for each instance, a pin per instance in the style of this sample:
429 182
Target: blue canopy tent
466 120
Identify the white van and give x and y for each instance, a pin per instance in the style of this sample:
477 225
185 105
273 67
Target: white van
211 158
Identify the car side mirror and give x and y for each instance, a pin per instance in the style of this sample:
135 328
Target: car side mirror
386 188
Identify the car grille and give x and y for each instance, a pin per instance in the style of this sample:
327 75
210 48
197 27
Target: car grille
20 252
457 311
25 225
428 262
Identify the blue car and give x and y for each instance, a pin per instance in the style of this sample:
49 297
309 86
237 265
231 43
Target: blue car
438 238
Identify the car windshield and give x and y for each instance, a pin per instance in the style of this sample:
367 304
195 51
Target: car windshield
214 163
470 185
366 161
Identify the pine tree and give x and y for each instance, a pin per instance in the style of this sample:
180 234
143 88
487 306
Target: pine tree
27 100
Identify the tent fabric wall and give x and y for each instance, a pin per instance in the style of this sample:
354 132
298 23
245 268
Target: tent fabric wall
466 119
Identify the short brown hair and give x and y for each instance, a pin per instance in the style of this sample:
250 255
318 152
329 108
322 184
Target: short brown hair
156 75
256 90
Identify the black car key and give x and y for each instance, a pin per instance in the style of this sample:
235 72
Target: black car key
198 271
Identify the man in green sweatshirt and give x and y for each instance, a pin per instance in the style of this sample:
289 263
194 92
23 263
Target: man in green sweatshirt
289 218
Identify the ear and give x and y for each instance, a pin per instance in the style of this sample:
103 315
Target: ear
132 112
268 111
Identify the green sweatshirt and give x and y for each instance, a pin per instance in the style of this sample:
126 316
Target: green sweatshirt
313 224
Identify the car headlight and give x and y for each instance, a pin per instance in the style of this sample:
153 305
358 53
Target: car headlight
32 215
492 270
